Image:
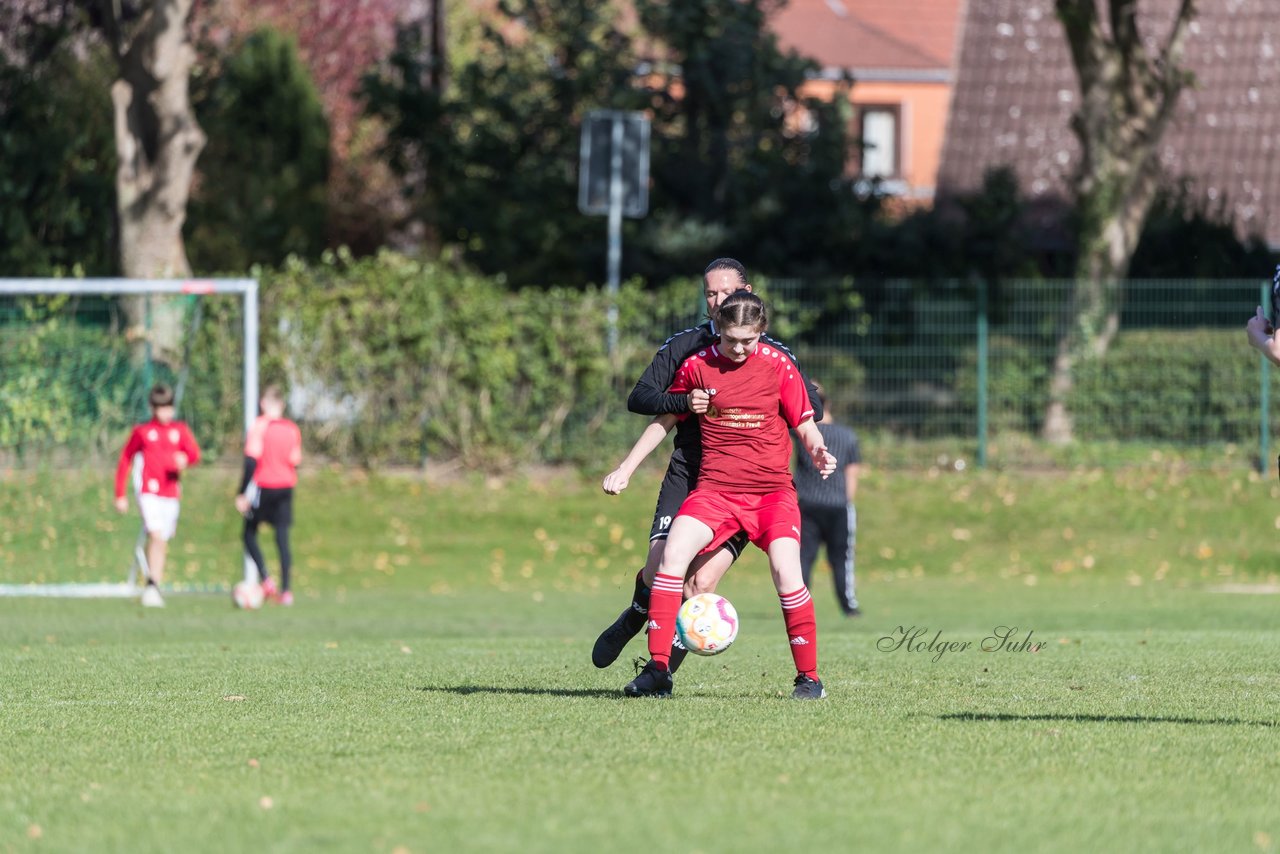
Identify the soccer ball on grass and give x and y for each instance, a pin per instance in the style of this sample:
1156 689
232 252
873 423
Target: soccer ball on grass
247 595
707 624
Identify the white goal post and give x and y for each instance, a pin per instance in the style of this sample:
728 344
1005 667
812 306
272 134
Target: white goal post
246 289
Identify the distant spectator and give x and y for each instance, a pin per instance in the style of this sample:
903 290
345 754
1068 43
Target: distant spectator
827 508
272 453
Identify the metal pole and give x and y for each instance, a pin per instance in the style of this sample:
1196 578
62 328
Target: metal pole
250 354
1264 396
615 227
982 372
250 388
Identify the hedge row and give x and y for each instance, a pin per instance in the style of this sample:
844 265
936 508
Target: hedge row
392 360
1196 385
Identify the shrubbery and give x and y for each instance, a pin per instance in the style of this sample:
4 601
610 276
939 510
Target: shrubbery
1197 385
1192 385
397 360
393 361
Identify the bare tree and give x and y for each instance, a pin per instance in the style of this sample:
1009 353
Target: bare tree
1128 99
157 139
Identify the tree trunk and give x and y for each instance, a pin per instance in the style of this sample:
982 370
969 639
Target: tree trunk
1109 234
1128 99
158 141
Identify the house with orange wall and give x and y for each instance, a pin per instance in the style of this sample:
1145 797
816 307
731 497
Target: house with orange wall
900 55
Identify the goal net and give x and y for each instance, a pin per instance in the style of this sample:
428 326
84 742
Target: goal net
77 360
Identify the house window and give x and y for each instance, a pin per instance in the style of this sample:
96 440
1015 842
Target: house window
879 132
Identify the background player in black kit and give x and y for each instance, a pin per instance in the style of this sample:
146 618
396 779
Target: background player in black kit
827 509
723 277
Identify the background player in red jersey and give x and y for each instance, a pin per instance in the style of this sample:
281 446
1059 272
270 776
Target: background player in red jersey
744 482
166 447
272 453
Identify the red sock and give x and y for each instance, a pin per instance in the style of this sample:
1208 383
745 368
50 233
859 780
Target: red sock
664 602
802 630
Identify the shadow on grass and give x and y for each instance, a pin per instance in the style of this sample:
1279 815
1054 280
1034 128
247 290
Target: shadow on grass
1101 719
464 690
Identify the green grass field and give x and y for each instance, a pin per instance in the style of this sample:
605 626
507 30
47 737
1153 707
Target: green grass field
432 689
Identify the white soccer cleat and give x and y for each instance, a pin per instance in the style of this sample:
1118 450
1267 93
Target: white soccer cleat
151 597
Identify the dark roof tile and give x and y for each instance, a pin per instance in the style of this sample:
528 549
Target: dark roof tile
1016 88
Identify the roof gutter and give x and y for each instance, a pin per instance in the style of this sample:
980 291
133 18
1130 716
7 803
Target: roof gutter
886 75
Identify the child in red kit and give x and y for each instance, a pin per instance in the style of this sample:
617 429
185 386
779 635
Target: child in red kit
272 453
166 448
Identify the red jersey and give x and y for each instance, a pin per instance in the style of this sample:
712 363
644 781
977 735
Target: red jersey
745 444
157 443
276 443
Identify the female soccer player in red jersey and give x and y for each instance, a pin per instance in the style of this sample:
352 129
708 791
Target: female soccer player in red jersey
744 482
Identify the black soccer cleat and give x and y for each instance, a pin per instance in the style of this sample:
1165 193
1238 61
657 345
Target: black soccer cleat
650 682
615 638
808 689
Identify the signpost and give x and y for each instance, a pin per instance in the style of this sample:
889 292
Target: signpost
613 179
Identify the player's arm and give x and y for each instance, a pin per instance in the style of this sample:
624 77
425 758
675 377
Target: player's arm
853 468
241 500
131 447
652 394
253 443
798 414
1262 337
815 402
295 452
188 451
246 475
652 437
813 443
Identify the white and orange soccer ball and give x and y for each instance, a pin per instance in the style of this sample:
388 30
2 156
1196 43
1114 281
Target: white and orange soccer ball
247 595
707 624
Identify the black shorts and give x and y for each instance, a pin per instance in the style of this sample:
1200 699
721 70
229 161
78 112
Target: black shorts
273 506
677 483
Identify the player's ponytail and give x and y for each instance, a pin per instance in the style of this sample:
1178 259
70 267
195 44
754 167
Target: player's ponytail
743 308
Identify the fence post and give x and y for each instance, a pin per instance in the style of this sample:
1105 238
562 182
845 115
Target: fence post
1264 396
982 372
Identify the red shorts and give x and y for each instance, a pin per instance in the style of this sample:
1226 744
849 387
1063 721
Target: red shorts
764 518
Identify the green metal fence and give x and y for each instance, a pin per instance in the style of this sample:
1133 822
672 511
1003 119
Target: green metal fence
957 373
929 373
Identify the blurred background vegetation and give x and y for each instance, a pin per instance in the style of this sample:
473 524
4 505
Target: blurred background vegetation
431 291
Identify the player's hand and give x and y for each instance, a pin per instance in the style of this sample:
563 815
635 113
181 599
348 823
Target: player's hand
1260 325
180 460
242 504
700 400
824 461
122 504
616 481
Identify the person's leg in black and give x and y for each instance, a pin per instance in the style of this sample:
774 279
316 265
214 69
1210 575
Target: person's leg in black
251 546
286 556
840 534
281 521
810 541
